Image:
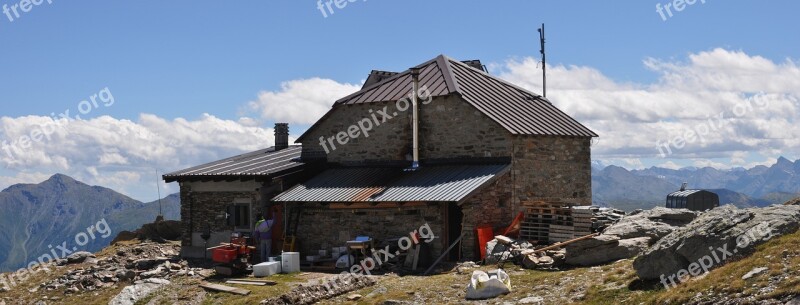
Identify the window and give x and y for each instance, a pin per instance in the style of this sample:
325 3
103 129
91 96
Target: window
238 216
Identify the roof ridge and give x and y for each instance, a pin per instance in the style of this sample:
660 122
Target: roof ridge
449 78
504 82
386 80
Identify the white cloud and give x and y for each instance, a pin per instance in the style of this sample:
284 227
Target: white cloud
122 154
301 101
630 118
758 99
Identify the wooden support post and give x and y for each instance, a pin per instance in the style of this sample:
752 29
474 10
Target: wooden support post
444 254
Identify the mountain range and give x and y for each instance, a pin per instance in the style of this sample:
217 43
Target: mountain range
645 188
36 219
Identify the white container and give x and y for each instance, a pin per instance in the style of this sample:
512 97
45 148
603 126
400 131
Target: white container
266 269
290 262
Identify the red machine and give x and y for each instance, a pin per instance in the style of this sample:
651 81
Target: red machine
233 257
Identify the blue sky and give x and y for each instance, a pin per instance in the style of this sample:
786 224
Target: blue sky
194 59
184 58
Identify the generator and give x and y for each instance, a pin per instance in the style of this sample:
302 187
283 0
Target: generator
234 257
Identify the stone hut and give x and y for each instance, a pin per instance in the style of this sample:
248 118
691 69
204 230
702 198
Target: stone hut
471 152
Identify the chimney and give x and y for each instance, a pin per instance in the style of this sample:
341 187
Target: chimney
281 136
683 186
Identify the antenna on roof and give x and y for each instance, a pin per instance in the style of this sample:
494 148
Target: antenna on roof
544 62
158 187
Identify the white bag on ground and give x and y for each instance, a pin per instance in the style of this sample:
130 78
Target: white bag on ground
488 285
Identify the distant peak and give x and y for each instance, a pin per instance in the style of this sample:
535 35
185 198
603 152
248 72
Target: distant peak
781 159
60 177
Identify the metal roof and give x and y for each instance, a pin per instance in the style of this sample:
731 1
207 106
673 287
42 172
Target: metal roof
265 162
444 183
684 193
517 110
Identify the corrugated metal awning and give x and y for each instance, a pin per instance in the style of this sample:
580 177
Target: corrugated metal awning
445 183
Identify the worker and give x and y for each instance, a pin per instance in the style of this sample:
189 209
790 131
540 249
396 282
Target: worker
264 235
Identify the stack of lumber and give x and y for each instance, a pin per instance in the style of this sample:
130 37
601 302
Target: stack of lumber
546 222
554 222
583 219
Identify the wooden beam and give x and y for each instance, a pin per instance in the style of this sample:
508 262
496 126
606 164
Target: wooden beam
223 288
458 240
271 283
564 243
248 282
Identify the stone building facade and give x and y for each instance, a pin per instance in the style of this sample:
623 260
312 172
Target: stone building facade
465 117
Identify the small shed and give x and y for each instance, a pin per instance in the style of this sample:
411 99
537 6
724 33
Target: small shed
695 200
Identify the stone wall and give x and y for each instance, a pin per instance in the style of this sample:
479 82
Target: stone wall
206 203
551 168
492 206
323 228
387 141
449 128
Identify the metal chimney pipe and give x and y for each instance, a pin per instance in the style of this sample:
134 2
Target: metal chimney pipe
281 136
683 186
415 116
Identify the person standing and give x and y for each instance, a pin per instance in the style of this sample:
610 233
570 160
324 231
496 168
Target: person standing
264 235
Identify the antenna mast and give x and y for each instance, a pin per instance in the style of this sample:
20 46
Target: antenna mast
544 61
158 187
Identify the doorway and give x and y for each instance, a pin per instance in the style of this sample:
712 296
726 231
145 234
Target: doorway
454 219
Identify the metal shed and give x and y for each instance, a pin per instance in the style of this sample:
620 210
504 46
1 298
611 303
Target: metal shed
695 200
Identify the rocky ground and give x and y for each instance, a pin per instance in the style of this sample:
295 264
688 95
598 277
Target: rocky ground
620 266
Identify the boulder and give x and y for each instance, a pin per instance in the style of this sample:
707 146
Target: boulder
714 238
124 236
655 223
604 249
79 257
132 294
158 231
628 237
125 275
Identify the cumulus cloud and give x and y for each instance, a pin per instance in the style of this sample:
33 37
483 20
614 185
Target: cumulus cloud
757 100
301 101
118 153
716 104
